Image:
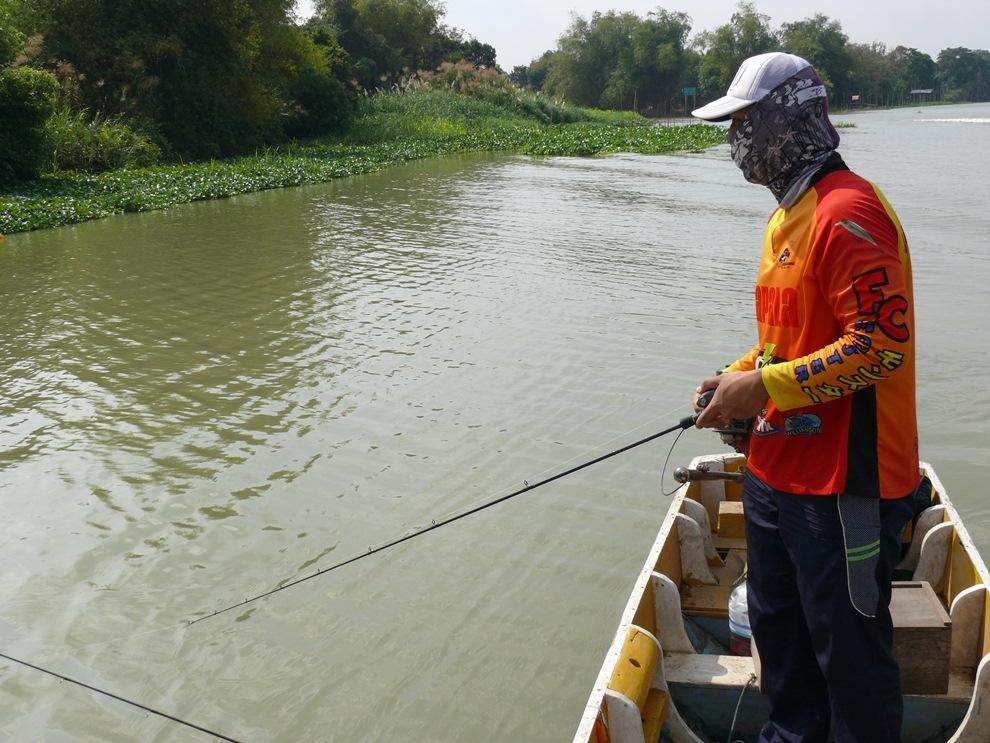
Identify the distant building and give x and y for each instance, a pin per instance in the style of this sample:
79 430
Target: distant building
921 94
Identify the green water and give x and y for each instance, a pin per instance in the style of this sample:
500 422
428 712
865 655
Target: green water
200 403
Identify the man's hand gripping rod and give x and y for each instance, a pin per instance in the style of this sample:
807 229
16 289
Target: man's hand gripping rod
683 474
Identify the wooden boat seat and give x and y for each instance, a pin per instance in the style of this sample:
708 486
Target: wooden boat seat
706 601
710 671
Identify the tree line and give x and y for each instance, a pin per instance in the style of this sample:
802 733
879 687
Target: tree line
100 83
625 61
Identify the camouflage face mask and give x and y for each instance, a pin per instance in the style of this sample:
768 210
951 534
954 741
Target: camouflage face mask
786 137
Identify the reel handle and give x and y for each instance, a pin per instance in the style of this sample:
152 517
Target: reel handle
703 401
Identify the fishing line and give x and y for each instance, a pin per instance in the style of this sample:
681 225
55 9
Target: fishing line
663 470
132 703
586 452
684 423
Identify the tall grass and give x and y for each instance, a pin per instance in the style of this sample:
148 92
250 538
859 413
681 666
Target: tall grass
95 145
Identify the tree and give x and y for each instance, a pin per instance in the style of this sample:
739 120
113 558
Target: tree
387 38
535 74
915 69
11 39
475 52
821 41
910 70
593 58
660 57
724 49
207 77
27 99
619 60
965 74
869 73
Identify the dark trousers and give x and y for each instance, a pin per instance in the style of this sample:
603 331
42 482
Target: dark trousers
821 660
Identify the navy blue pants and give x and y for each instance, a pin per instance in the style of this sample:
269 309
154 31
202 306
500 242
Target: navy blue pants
822 661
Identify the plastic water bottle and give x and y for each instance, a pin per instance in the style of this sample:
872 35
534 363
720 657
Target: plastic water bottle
740 634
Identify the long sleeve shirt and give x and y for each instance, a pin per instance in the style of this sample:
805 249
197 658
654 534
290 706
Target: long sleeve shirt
835 328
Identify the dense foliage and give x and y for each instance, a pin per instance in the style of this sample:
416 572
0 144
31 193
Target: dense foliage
618 60
206 78
199 79
27 98
626 61
386 39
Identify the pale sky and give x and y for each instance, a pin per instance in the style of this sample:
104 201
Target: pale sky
521 31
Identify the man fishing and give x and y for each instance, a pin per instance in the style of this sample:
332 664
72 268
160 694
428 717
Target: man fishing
833 445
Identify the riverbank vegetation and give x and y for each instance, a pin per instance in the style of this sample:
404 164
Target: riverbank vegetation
110 106
387 129
116 101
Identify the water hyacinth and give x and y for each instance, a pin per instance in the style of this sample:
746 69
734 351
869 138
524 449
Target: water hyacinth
390 129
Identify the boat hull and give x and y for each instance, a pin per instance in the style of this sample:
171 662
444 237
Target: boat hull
668 676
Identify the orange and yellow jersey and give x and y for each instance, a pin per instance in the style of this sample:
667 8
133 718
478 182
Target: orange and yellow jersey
835 323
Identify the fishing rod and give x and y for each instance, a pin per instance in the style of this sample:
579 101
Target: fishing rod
683 424
138 705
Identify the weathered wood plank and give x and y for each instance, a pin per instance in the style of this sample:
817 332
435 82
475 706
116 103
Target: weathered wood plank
670 558
962 572
922 638
711 601
718 671
724 543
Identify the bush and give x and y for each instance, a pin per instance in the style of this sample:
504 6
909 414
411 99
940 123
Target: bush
11 41
496 88
322 104
75 143
27 98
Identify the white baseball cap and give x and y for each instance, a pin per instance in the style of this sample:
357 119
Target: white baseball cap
754 80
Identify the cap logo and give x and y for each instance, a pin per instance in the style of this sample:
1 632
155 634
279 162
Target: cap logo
816 92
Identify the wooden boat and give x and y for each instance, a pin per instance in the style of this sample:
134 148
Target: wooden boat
667 674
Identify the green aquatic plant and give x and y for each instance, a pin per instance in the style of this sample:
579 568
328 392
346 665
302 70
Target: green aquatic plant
388 129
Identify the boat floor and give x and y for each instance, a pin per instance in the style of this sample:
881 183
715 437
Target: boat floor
711 691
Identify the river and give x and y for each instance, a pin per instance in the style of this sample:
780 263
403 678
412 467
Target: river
202 403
